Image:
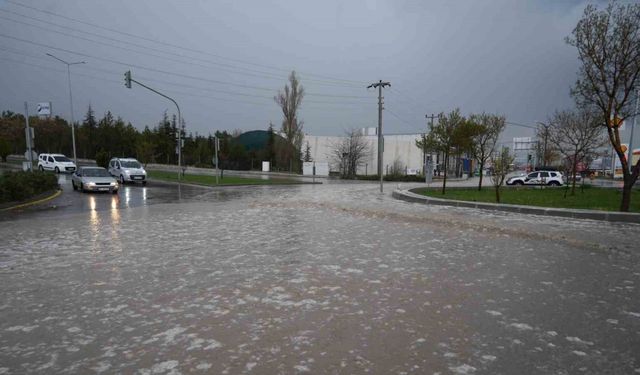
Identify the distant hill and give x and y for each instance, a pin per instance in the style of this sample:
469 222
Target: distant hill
255 140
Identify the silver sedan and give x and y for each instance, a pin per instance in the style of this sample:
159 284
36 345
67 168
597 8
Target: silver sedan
93 179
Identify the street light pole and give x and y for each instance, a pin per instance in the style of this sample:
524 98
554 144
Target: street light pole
73 132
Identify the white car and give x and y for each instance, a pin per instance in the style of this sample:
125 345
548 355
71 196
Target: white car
551 178
127 170
56 162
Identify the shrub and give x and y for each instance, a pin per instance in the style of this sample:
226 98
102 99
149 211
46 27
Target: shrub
5 149
18 186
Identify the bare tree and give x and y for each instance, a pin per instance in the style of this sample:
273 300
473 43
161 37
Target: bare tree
488 128
608 43
577 136
501 166
350 152
546 153
290 101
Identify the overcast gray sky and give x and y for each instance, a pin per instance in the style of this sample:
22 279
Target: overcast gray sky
506 56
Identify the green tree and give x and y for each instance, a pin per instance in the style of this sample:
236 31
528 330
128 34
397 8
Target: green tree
5 149
270 152
608 44
442 137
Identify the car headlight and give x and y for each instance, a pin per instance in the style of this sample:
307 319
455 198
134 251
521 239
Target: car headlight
91 184
114 183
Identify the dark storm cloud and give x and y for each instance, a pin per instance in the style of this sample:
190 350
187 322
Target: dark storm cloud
498 56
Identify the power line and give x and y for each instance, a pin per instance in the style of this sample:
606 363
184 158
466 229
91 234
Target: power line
177 46
220 66
160 70
190 94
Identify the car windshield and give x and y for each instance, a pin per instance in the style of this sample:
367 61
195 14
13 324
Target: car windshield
62 159
130 164
95 172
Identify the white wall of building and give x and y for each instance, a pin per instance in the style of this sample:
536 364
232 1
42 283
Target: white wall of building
402 147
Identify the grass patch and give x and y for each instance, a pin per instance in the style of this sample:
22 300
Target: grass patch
592 198
211 180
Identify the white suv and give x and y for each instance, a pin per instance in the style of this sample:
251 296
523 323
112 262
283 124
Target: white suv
55 162
551 178
127 170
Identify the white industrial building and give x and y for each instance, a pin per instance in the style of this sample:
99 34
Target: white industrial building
396 147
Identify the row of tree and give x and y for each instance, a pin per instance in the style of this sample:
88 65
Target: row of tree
454 135
113 137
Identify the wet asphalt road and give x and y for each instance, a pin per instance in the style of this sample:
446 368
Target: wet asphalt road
332 278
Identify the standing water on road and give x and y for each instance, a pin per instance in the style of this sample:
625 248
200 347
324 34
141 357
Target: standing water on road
314 279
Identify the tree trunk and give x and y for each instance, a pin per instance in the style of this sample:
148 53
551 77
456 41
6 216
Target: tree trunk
481 169
446 166
497 193
574 166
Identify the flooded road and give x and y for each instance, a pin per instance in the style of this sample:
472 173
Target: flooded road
332 278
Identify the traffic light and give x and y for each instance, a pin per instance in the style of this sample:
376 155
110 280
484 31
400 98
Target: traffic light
127 79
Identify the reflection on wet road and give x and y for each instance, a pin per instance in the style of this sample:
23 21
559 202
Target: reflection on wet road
312 279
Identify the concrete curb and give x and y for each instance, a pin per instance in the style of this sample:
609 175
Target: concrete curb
158 180
624 217
47 196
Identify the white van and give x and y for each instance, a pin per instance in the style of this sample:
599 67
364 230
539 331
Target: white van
56 162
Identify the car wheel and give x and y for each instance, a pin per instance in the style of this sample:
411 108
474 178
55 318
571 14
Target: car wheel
115 191
57 170
82 188
144 182
73 185
554 183
121 179
41 168
518 183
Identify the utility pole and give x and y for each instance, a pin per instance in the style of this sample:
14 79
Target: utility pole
127 84
380 85
28 136
73 132
427 178
633 125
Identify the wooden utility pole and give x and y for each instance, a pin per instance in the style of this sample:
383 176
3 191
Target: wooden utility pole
380 85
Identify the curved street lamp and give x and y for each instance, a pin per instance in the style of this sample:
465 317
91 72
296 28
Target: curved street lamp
73 132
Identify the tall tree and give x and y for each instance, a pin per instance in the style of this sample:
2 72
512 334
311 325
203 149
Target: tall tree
270 151
577 136
289 100
307 153
488 128
608 44
87 134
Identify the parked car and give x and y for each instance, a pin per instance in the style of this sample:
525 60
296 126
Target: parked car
55 162
569 180
93 179
127 170
552 178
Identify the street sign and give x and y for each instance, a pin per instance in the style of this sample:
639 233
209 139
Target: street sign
43 109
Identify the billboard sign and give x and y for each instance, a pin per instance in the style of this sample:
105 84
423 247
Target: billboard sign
43 109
